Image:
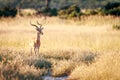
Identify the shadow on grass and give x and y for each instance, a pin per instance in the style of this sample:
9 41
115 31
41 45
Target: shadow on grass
42 64
85 57
39 62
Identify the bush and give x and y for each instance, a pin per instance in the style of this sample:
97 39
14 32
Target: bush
54 12
48 11
115 11
110 6
73 8
71 11
112 9
8 12
62 12
117 27
91 12
73 14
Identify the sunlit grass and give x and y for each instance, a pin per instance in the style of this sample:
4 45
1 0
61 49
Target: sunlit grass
85 50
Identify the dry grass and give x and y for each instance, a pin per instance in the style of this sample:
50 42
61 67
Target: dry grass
106 68
86 50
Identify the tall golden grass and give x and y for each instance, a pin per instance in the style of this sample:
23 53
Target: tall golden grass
84 50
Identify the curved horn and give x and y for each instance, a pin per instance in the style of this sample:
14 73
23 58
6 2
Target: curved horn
33 25
39 24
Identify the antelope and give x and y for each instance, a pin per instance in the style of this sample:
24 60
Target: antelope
37 42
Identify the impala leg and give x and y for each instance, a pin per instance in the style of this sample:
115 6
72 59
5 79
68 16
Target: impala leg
35 50
38 50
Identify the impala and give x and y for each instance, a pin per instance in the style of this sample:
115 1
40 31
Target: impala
37 42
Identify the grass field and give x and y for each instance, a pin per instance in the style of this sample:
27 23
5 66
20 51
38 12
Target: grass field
83 50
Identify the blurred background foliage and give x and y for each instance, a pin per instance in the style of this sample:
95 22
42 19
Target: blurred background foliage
55 3
63 8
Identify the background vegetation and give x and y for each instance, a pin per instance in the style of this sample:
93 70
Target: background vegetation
55 3
69 10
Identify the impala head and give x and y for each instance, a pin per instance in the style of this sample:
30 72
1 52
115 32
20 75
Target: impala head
38 28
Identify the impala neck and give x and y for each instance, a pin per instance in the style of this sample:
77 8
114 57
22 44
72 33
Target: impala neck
38 35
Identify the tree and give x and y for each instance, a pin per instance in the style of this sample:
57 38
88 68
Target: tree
47 2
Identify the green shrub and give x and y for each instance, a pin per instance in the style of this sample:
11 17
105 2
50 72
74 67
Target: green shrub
54 12
112 9
8 12
69 11
73 14
117 27
115 11
61 12
73 8
112 5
